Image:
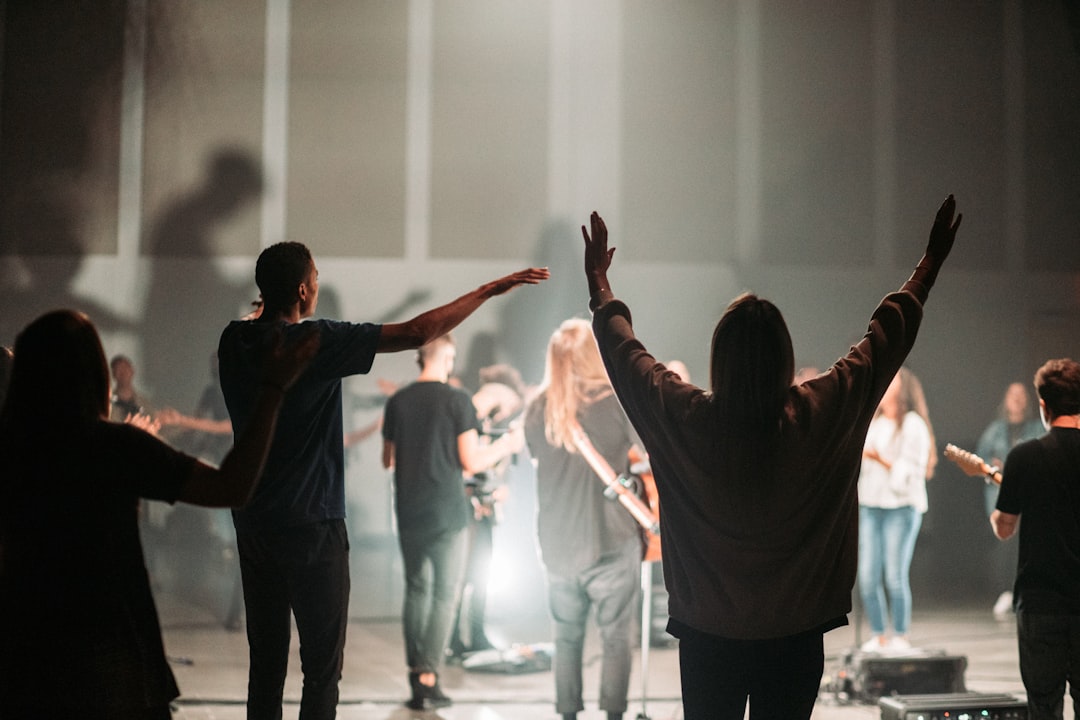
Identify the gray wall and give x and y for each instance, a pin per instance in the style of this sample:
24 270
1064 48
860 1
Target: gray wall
149 150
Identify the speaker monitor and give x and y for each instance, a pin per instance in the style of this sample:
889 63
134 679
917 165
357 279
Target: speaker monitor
878 676
953 706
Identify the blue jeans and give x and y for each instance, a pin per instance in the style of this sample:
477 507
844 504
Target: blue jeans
886 545
1049 656
304 569
434 568
610 586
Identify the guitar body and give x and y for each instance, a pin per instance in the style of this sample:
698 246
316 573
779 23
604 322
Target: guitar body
652 546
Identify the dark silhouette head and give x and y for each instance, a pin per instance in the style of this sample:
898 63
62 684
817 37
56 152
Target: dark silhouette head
59 375
233 179
280 270
752 366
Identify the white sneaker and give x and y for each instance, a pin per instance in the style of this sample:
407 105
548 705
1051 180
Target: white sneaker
1004 606
899 644
873 645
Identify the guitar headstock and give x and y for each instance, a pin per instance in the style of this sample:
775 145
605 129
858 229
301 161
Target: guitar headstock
969 462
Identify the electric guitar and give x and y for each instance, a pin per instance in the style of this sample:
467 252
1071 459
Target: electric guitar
619 487
972 464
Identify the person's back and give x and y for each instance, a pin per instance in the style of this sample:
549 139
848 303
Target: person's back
424 420
78 628
74 593
291 539
304 479
1041 484
1044 482
757 478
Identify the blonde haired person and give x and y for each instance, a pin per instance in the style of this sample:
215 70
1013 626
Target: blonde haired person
590 545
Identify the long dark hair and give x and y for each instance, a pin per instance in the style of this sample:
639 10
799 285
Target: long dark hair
752 367
59 376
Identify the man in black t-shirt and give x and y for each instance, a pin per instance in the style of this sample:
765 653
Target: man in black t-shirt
431 439
1041 481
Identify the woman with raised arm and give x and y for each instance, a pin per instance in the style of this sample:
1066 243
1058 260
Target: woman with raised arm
79 633
757 477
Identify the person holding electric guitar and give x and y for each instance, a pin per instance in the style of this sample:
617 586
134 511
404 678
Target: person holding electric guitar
1015 424
591 547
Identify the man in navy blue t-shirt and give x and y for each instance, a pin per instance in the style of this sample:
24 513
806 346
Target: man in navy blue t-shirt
291 537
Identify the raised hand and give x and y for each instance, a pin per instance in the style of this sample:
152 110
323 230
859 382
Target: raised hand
597 261
529 276
597 254
943 233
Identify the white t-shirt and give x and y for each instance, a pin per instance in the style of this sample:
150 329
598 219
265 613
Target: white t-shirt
907 451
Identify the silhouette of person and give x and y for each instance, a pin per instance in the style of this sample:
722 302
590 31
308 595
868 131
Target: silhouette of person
292 538
76 611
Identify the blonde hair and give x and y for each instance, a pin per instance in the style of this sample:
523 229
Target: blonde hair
574 377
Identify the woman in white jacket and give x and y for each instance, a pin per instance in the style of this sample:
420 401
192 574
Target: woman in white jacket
898 457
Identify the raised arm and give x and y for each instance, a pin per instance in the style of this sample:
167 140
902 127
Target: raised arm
234 483
429 325
938 247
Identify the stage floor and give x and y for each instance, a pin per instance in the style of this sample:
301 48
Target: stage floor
211 665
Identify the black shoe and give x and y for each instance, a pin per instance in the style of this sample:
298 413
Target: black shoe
428 701
426 697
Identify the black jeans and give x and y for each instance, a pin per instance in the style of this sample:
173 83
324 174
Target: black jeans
1049 656
304 570
781 677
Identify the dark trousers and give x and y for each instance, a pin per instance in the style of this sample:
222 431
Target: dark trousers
1049 657
304 570
473 603
433 573
610 588
780 677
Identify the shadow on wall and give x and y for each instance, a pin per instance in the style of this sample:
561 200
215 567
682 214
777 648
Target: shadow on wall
60 72
188 300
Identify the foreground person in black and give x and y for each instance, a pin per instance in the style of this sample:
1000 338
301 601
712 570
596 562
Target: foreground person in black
79 633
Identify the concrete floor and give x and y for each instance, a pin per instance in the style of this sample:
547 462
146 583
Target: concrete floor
210 664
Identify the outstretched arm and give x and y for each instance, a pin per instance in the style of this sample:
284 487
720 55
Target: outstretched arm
427 326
